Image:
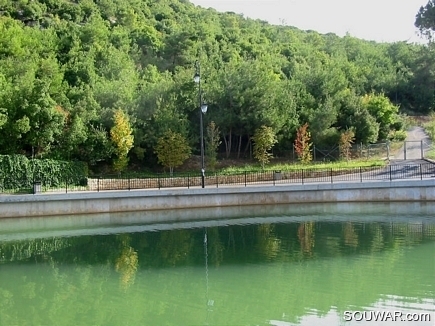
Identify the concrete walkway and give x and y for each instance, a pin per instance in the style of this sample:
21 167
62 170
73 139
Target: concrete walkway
415 138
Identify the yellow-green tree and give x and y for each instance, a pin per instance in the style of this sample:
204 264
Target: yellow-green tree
122 138
172 150
264 139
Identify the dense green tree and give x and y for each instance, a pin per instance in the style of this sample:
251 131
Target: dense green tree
385 113
422 81
97 147
66 65
357 117
247 95
425 20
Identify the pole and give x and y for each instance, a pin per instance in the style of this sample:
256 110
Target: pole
404 150
201 129
202 146
421 150
201 126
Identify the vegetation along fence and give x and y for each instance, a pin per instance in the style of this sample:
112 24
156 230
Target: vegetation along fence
300 176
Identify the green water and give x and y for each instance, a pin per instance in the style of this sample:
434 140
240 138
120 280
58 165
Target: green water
281 265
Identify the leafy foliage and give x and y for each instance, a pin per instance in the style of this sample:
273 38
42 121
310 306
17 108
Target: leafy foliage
425 20
346 139
264 139
97 146
172 150
303 144
17 171
121 135
212 142
385 113
66 66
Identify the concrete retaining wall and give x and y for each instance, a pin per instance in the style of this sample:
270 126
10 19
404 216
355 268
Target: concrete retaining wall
142 200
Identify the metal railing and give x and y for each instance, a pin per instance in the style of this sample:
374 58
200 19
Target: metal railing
185 180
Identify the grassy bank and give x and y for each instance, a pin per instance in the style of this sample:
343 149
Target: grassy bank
429 127
296 166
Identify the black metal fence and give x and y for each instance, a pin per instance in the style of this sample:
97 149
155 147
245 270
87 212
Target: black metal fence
329 154
245 179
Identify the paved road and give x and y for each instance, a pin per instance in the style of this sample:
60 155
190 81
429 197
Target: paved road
414 140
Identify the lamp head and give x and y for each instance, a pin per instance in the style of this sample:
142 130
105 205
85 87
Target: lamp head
196 78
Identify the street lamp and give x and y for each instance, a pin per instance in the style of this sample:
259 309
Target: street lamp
203 109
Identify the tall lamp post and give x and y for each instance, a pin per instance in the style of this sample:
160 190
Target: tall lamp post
203 109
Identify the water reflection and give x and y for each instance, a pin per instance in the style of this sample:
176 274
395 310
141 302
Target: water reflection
291 266
127 262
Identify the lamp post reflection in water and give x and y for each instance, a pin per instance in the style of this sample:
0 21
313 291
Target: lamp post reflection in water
209 301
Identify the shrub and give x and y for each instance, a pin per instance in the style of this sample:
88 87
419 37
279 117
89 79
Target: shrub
17 171
397 135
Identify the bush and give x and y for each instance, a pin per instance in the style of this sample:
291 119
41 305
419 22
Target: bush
17 171
398 135
430 128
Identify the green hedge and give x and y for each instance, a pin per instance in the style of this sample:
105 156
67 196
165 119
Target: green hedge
18 172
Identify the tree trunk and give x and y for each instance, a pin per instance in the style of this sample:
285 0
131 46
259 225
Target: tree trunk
247 146
228 144
239 146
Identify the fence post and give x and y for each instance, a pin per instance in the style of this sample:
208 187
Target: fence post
98 183
302 176
390 173
273 177
129 186
66 185
158 180
245 178
421 173
388 150
188 180
360 173
331 176
404 150
217 180
421 149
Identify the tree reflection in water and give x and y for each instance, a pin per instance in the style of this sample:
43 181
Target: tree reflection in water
127 262
215 274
